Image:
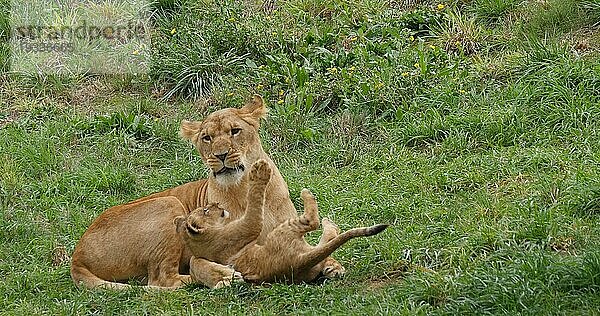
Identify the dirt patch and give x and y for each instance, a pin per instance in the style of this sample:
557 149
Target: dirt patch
583 41
85 94
60 256
9 118
396 274
511 186
564 245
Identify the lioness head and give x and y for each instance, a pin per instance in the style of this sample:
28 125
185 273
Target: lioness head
201 219
227 140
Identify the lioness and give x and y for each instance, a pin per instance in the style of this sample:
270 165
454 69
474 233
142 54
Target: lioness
283 256
117 246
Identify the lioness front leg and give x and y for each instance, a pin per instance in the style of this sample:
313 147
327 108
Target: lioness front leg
211 274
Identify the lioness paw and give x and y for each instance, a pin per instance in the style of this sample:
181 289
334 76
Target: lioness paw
212 274
260 172
228 280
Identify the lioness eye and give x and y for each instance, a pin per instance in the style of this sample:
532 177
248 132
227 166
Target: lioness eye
235 131
206 138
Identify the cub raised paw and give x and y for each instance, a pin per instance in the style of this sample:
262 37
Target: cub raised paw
260 172
330 225
306 195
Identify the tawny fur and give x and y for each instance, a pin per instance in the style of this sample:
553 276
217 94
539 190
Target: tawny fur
116 246
284 255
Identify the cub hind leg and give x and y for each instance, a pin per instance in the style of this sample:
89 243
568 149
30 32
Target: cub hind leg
330 231
318 255
331 268
310 222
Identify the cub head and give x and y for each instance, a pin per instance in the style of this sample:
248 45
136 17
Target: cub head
228 140
201 219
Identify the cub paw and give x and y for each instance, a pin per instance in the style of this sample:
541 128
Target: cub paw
333 269
305 194
260 172
329 224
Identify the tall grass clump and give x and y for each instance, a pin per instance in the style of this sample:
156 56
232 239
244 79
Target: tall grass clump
553 18
493 11
592 9
196 46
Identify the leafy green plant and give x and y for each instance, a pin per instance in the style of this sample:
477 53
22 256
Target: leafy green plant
128 123
192 56
421 20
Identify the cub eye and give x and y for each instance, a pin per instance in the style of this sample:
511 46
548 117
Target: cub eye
205 211
235 131
223 213
206 139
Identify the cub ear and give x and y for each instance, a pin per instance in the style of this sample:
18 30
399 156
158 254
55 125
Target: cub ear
190 130
255 108
179 222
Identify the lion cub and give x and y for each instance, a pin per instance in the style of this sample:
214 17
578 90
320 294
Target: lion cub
284 256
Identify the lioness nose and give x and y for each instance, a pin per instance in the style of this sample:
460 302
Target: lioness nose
222 156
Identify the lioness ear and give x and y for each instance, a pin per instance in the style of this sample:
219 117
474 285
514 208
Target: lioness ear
190 130
256 108
179 222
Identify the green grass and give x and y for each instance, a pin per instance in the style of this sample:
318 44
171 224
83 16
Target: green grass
473 128
4 35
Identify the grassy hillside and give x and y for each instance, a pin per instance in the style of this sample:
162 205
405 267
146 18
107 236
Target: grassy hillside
472 126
